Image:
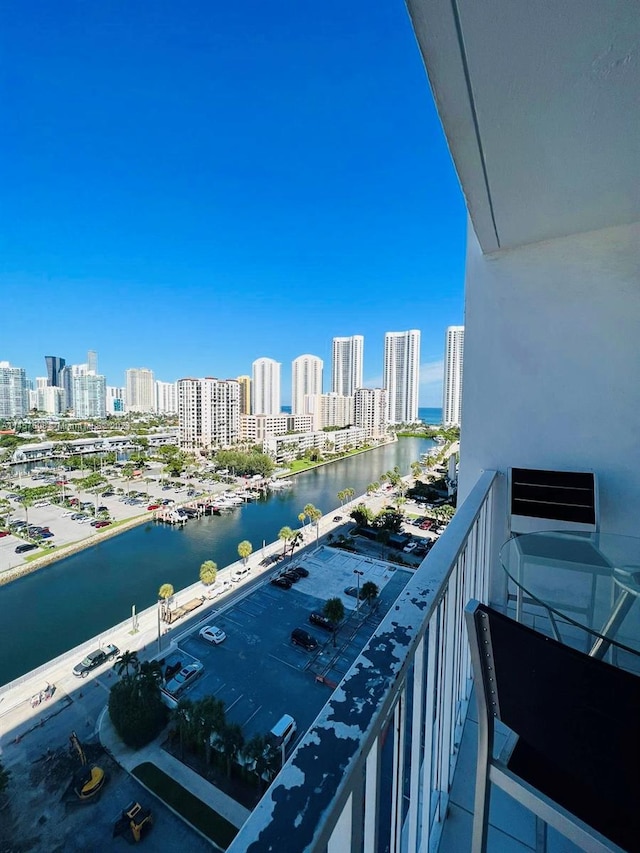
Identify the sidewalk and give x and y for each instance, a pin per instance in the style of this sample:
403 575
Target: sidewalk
129 759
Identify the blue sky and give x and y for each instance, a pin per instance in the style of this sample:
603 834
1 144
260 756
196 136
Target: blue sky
190 186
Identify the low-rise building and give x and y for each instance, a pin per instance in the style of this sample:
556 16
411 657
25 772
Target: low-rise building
255 428
284 448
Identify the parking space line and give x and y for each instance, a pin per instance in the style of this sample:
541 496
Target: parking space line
235 702
286 662
251 716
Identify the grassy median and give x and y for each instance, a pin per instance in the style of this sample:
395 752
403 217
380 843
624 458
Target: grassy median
193 810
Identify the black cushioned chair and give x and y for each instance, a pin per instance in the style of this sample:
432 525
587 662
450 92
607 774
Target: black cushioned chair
574 756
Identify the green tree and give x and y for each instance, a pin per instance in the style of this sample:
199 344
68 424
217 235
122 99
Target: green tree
341 496
127 664
208 720
208 572
265 757
182 717
231 743
369 592
245 549
137 715
165 593
314 515
285 535
149 677
361 514
334 611
349 494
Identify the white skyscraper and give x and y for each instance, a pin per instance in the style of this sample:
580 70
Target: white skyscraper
166 397
265 387
346 365
452 389
14 396
402 375
140 393
371 411
115 400
89 396
306 378
208 413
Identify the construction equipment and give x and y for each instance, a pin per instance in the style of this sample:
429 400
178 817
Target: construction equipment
89 779
134 823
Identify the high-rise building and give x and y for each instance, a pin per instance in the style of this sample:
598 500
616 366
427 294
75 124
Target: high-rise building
166 397
92 361
265 387
329 410
140 393
370 411
54 366
306 378
114 400
208 412
66 377
51 399
452 388
245 394
347 365
89 396
14 397
402 375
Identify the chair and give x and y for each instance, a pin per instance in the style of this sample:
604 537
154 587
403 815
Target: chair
565 501
573 757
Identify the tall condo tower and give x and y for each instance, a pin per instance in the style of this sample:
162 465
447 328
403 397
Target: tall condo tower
346 365
245 394
92 361
306 378
452 390
141 392
265 387
14 395
54 366
208 413
402 375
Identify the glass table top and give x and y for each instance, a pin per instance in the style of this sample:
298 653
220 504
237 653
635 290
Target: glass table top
589 581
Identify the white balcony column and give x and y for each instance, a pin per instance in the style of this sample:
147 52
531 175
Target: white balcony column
340 841
428 783
372 796
397 784
417 726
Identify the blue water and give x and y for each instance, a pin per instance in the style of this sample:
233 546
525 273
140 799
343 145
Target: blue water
430 416
56 608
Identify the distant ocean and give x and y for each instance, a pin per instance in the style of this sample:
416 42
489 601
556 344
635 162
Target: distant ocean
426 415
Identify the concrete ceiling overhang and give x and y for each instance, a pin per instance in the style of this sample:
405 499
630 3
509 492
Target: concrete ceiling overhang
540 103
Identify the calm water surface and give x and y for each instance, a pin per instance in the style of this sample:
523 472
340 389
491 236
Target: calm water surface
54 609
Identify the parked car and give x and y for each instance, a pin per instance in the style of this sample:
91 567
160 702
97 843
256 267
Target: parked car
240 574
108 494
213 634
185 678
300 571
4 533
321 621
26 546
300 637
94 659
337 518
410 547
219 587
282 582
153 506
353 592
290 575
100 524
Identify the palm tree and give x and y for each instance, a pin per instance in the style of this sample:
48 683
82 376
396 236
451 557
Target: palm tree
369 592
245 549
149 675
208 572
231 741
165 593
125 662
208 716
285 534
182 716
314 515
296 540
349 494
264 755
302 517
341 496
334 611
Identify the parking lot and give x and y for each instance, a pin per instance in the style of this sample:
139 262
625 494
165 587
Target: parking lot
257 671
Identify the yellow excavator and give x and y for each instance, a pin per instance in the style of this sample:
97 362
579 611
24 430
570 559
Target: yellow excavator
135 819
90 778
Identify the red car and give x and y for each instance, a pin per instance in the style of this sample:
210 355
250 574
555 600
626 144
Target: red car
4 533
99 524
153 506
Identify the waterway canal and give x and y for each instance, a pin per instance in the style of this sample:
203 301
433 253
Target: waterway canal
58 607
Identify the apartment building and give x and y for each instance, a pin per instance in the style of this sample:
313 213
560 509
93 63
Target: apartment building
208 413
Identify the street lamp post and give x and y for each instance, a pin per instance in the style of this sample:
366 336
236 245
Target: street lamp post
358 575
159 640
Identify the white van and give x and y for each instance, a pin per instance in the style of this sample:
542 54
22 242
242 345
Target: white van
240 574
42 503
283 731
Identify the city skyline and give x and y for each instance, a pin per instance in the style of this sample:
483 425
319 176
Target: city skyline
226 209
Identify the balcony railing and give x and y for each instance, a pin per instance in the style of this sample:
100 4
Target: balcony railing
374 771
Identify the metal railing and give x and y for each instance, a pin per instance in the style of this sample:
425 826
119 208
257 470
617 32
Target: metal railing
373 772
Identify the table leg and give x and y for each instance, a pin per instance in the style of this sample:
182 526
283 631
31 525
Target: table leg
621 608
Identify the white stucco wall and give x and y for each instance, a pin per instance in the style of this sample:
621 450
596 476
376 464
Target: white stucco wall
552 365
